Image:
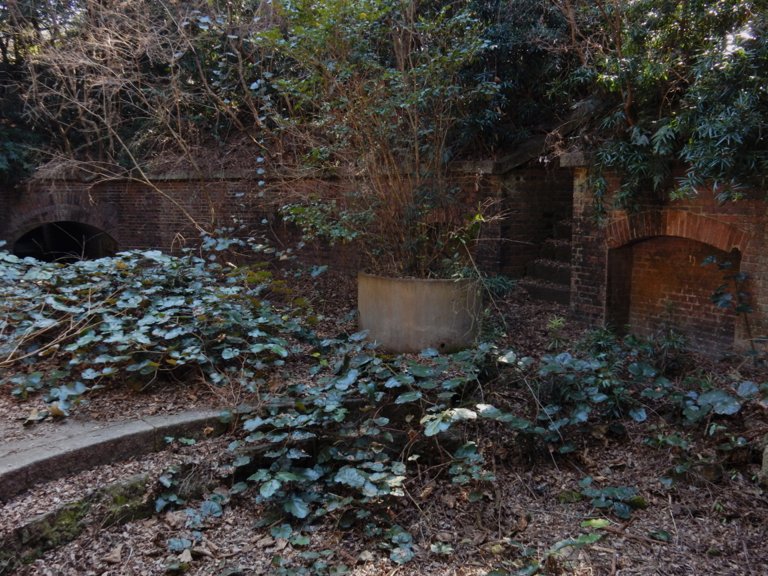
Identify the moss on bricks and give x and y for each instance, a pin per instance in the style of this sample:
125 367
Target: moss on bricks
110 505
125 501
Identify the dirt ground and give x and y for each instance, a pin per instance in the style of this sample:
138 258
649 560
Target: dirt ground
707 522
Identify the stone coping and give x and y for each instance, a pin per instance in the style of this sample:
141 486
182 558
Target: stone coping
77 446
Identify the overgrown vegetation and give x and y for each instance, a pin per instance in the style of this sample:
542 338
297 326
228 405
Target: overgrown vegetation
657 88
348 437
681 86
139 317
353 90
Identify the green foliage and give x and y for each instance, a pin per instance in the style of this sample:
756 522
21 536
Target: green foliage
609 380
376 91
550 557
686 82
356 462
732 294
137 317
333 446
498 286
618 500
324 220
534 82
16 156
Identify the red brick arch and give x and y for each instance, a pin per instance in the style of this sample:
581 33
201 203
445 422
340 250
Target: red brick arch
631 228
39 209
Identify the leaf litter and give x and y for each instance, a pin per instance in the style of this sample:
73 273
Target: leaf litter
695 525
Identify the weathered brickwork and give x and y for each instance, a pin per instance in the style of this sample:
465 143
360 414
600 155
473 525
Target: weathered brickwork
533 202
643 270
665 286
172 212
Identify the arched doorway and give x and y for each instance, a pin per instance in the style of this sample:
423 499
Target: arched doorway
65 241
664 283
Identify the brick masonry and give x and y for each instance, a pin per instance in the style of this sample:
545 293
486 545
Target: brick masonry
642 271
171 213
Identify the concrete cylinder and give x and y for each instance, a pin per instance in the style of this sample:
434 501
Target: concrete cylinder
411 314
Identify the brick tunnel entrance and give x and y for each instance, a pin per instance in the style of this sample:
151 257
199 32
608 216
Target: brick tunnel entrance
65 241
662 283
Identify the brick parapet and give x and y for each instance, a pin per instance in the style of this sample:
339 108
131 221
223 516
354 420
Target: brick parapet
171 212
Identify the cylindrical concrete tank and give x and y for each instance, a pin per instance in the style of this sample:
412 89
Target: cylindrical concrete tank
411 314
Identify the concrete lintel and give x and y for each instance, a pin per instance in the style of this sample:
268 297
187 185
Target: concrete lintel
576 159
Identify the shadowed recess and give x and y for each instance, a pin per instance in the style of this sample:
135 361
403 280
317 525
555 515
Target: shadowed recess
65 242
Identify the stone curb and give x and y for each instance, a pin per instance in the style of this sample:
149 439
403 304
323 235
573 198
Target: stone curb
80 446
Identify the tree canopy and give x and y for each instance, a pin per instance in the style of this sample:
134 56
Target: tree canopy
662 84
683 84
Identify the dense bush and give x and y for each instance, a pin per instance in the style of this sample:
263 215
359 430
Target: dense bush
683 85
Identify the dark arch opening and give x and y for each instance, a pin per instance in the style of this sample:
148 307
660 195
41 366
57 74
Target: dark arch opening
65 242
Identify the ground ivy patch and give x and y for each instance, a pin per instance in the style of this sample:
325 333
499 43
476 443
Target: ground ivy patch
138 317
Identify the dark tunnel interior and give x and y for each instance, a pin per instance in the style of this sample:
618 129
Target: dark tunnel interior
65 242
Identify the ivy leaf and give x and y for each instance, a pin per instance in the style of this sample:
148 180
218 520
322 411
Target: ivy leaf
622 510
508 358
747 389
179 544
241 461
348 380
441 548
421 371
401 555
300 540
358 336
296 507
435 425
661 536
253 423
211 508
406 397
638 414
229 353
459 414
268 489
581 541
721 402
283 531
351 477
90 374
238 488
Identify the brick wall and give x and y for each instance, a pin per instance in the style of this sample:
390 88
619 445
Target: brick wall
662 284
172 213
643 269
589 256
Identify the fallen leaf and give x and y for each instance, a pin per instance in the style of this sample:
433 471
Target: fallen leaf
35 416
115 556
186 556
427 492
56 411
264 542
366 556
202 550
449 500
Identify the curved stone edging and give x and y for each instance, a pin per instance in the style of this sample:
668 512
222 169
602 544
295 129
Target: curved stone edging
84 446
